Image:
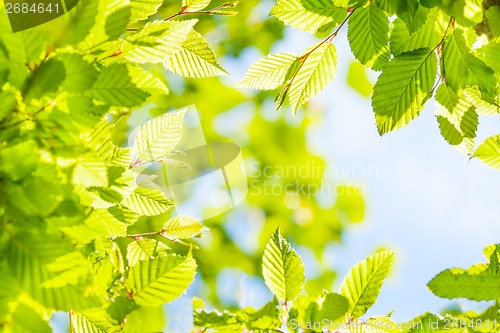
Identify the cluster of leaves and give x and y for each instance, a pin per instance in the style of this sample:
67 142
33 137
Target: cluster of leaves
293 311
406 41
68 193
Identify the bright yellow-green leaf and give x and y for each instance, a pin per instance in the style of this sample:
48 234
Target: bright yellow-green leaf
270 71
318 70
362 284
160 280
182 227
194 59
195 5
402 89
159 136
369 36
309 15
282 268
489 151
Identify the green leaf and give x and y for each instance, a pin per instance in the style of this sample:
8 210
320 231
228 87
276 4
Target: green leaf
99 139
159 136
428 36
79 22
27 152
80 74
151 317
270 71
362 284
9 101
26 320
148 201
331 306
317 71
308 15
475 283
115 86
493 15
45 81
117 22
368 36
157 281
89 172
195 5
483 108
402 89
265 319
142 9
111 22
121 308
457 119
490 54
156 41
489 151
100 223
282 268
25 47
194 59
146 81
35 196
70 269
91 321
29 255
143 249
182 227
462 68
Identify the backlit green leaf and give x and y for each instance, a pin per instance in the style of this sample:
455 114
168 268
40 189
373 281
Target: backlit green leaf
402 89
362 284
195 5
308 15
156 41
194 59
369 36
142 9
318 70
115 86
159 136
462 68
269 72
160 280
182 227
457 119
475 283
148 201
489 151
282 268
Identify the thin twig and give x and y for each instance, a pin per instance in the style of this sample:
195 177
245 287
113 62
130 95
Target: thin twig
145 234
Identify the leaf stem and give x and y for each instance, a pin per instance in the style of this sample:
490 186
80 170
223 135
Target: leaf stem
450 23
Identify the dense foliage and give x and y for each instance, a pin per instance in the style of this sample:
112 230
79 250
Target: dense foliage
84 232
